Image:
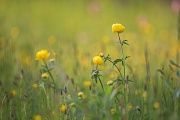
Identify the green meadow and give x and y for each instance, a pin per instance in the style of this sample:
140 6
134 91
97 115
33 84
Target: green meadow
136 75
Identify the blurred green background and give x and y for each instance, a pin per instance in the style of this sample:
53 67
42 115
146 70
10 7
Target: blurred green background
74 31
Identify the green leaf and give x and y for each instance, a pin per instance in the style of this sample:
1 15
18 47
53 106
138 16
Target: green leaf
124 42
173 63
116 61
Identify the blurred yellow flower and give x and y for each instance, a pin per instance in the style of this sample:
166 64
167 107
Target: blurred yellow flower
144 94
63 108
118 28
109 82
105 39
52 113
87 83
81 95
113 111
136 92
35 85
37 117
13 92
51 40
156 105
97 60
129 106
71 104
42 55
45 75
14 32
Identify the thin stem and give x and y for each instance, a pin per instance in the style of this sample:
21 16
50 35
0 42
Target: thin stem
49 72
124 66
101 84
122 55
116 67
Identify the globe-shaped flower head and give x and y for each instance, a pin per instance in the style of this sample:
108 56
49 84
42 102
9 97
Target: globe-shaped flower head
118 28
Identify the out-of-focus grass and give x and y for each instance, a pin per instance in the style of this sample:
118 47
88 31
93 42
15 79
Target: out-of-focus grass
75 31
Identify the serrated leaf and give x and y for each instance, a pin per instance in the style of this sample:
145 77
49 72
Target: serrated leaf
124 42
173 63
116 61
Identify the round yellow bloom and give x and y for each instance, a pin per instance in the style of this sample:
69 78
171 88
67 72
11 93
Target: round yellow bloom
156 105
118 28
109 82
45 75
35 85
63 108
37 117
42 55
87 83
13 92
81 95
97 60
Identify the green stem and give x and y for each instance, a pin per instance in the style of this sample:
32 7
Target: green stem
122 55
124 66
116 67
101 84
49 72
46 97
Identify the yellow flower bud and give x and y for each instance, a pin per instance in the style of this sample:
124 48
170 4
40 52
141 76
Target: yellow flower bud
81 95
45 75
118 28
42 55
109 82
97 60
113 111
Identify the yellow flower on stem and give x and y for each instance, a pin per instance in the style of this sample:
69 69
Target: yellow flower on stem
97 60
118 28
63 108
42 55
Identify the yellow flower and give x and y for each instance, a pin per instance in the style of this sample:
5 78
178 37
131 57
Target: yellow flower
37 117
81 95
13 92
109 82
63 108
129 106
144 94
156 105
118 28
14 32
97 60
87 83
42 55
35 85
113 111
45 75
